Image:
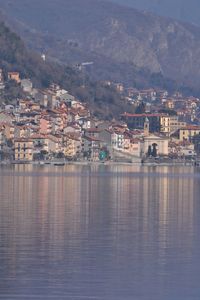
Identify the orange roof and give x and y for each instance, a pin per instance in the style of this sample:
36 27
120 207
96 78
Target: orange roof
191 127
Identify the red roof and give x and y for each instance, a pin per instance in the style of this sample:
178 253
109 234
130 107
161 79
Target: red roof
92 130
191 127
143 115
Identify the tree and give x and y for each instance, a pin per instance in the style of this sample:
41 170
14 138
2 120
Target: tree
154 151
141 108
149 151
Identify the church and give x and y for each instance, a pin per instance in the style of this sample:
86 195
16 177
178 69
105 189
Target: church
153 145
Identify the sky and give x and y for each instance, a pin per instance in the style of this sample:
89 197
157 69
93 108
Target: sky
185 10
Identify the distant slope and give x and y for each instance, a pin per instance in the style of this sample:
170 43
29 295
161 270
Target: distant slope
184 10
103 100
122 42
14 56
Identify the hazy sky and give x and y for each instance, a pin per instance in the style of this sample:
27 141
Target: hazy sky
186 10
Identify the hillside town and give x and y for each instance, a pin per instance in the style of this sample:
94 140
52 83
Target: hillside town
51 125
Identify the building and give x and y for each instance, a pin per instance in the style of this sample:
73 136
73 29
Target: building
113 138
1 137
6 118
118 140
14 76
169 104
23 149
170 124
188 132
91 148
72 145
165 125
153 145
27 85
196 142
54 144
161 144
92 132
146 127
175 124
136 121
45 125
2 85
135 147
9 132
39 143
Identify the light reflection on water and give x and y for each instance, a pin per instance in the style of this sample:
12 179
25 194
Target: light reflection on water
99 232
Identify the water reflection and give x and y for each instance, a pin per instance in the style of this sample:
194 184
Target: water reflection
108 232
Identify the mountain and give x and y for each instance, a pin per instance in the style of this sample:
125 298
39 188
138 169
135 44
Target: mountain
14 56
184 10
123 43
104 101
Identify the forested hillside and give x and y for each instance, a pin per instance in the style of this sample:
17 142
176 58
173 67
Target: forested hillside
125 44
103 100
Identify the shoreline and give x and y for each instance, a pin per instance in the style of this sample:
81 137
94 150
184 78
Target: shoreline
108 163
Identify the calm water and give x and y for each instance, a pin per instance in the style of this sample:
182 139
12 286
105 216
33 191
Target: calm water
110 233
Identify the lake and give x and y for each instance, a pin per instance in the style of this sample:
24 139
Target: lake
99 232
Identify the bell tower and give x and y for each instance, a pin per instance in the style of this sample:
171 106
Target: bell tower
146 127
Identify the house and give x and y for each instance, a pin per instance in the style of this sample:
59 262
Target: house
135 147
27 85
54 143
42 98
66 97
45 125
92 132
91 148
58 118
72 128
118 140
188 132
35 107
39 143
8 130
86 123
6 118
46 98
14 76
169 104
21 131
27 116
72 145
182 149
23 149
187 150
105 135
77 105
119 87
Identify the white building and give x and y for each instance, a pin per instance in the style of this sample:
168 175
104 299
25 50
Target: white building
27 85
161 144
